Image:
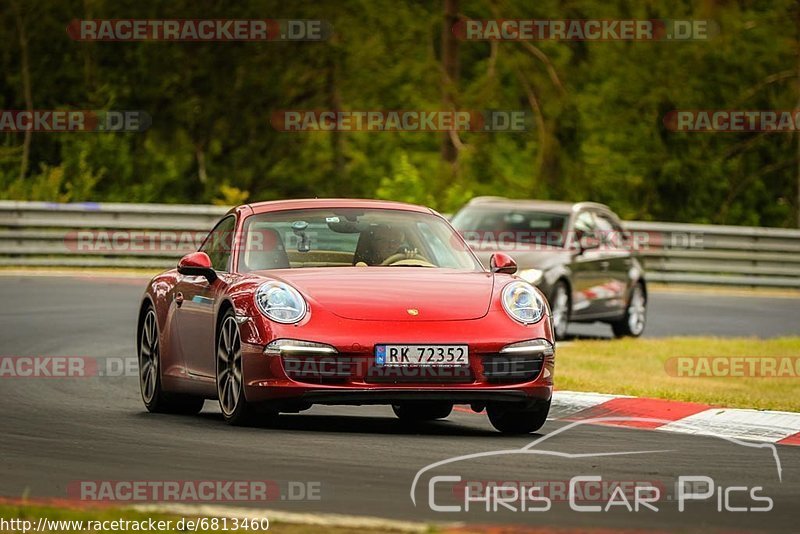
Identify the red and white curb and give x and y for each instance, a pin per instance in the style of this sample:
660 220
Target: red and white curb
683 417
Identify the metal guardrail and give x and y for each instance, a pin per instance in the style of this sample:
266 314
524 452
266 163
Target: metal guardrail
50 234
46 234
721 255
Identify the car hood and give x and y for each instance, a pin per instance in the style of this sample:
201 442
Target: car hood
388 293
526 256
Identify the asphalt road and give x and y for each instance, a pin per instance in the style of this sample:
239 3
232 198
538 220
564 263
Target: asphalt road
363 462
686 314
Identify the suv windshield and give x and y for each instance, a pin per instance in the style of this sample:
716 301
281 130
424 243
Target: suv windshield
490 226
351 237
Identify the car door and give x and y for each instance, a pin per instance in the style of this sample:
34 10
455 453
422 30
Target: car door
589 272
195 299
615 262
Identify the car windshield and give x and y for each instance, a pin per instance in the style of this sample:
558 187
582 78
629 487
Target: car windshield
351 237
490 226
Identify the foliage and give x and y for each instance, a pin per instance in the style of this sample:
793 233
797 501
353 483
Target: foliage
598 133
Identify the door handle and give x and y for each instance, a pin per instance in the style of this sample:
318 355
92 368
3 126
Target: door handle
604 265
178 299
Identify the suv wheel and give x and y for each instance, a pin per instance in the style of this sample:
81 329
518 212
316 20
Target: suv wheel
560 309
632 323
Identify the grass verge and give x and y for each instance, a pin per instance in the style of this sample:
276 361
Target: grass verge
640 367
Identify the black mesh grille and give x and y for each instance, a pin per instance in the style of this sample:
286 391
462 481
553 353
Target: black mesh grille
501 368
318 369
421 375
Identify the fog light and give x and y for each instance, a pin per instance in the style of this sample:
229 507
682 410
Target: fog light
533 346
295 346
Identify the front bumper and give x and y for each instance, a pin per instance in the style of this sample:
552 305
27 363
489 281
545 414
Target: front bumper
351 376
395 395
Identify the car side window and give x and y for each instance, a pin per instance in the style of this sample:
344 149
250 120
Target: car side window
605 222
611 233
218 244
584 223
585 228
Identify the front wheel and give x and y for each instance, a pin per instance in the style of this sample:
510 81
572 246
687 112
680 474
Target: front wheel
230 379
514 420
632 323
423 411
153 395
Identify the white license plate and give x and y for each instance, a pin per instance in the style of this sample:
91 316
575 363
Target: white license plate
421 355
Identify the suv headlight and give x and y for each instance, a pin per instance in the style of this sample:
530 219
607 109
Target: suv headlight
522 302
280 302
532 276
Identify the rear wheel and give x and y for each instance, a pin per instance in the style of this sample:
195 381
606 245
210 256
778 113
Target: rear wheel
510 419
632 323
560 309
422 411
153 394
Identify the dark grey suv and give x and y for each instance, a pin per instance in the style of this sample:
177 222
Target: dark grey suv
577 253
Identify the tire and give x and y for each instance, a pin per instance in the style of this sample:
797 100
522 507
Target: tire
233 404
560 309
514 420
153 395
418 412
633 322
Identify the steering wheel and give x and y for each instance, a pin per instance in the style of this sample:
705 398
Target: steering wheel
403 258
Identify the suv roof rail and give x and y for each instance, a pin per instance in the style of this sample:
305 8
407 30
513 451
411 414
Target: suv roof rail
478 200
587 204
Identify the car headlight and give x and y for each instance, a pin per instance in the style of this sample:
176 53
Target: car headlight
532 276
522 302
280 302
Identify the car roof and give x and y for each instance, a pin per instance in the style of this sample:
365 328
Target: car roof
554 206
310 203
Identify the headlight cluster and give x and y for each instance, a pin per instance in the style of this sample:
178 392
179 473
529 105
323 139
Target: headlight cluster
522 302
280 302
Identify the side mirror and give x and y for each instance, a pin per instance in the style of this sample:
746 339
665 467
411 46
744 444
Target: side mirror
197 264
502 263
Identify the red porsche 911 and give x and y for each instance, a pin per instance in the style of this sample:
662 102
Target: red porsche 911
300 302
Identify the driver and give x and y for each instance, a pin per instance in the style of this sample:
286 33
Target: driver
387 243
382 242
